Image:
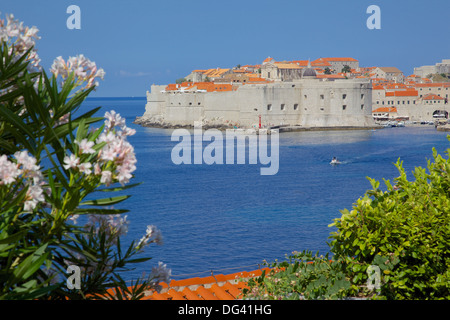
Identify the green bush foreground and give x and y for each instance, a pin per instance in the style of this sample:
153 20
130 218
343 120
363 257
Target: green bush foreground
393 244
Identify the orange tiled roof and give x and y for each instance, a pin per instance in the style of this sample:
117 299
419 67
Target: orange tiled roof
321 62
208 86
385 109
287 65
403 93
214 287
432 96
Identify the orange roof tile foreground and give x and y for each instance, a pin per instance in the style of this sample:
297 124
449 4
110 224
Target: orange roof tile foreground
214 287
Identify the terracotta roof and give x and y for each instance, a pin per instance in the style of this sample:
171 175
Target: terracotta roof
432 96
320 62
281 65
302 63
402 93
385 109
214 287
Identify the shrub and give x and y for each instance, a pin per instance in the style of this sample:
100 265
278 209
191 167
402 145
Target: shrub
409 226
53 166
393 244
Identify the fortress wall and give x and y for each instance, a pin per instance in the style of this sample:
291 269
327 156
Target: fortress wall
305 102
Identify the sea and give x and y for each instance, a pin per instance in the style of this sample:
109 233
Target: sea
224 219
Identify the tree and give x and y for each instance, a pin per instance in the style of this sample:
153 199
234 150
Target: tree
346 69
327 70
181 80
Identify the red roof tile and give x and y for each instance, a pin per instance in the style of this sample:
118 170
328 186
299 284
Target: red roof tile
216 287
385 109
432 96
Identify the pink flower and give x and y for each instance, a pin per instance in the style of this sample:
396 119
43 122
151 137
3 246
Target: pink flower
106 178
9 171
71 162
113 119
85 167
86 146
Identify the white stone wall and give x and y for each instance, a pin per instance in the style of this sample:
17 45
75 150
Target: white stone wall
421 112
305 102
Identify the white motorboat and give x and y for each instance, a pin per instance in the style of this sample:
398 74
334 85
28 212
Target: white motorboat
334 161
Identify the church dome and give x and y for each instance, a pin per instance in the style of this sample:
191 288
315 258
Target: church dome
309 73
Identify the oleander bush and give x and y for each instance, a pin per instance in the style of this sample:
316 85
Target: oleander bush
57 166
393 244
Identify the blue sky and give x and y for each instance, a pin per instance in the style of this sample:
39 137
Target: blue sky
141 42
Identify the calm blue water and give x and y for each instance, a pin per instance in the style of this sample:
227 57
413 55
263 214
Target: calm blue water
229 218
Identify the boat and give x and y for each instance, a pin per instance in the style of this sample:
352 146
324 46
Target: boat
334 161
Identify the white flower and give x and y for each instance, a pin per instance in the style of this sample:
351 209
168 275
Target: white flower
113 119
84 70
113 226
108 154
9 171
74 218
106 178
151 232
161 273
97 169
85 146
85 167
71 162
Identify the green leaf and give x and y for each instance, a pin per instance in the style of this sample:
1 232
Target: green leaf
31 264
104 201
13 238
100 211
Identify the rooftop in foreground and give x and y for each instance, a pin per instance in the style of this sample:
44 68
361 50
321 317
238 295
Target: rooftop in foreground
214 287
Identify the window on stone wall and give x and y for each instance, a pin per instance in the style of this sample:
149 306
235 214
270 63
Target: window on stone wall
362 107
362 96
344 96
282 106
322 97
296 106
306 97
269 107
344 107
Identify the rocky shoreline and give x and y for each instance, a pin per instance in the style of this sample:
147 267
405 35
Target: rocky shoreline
220 124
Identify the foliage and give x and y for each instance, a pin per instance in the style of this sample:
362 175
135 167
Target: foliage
393 244
54 168
409 224
181 80
302 276
346 69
